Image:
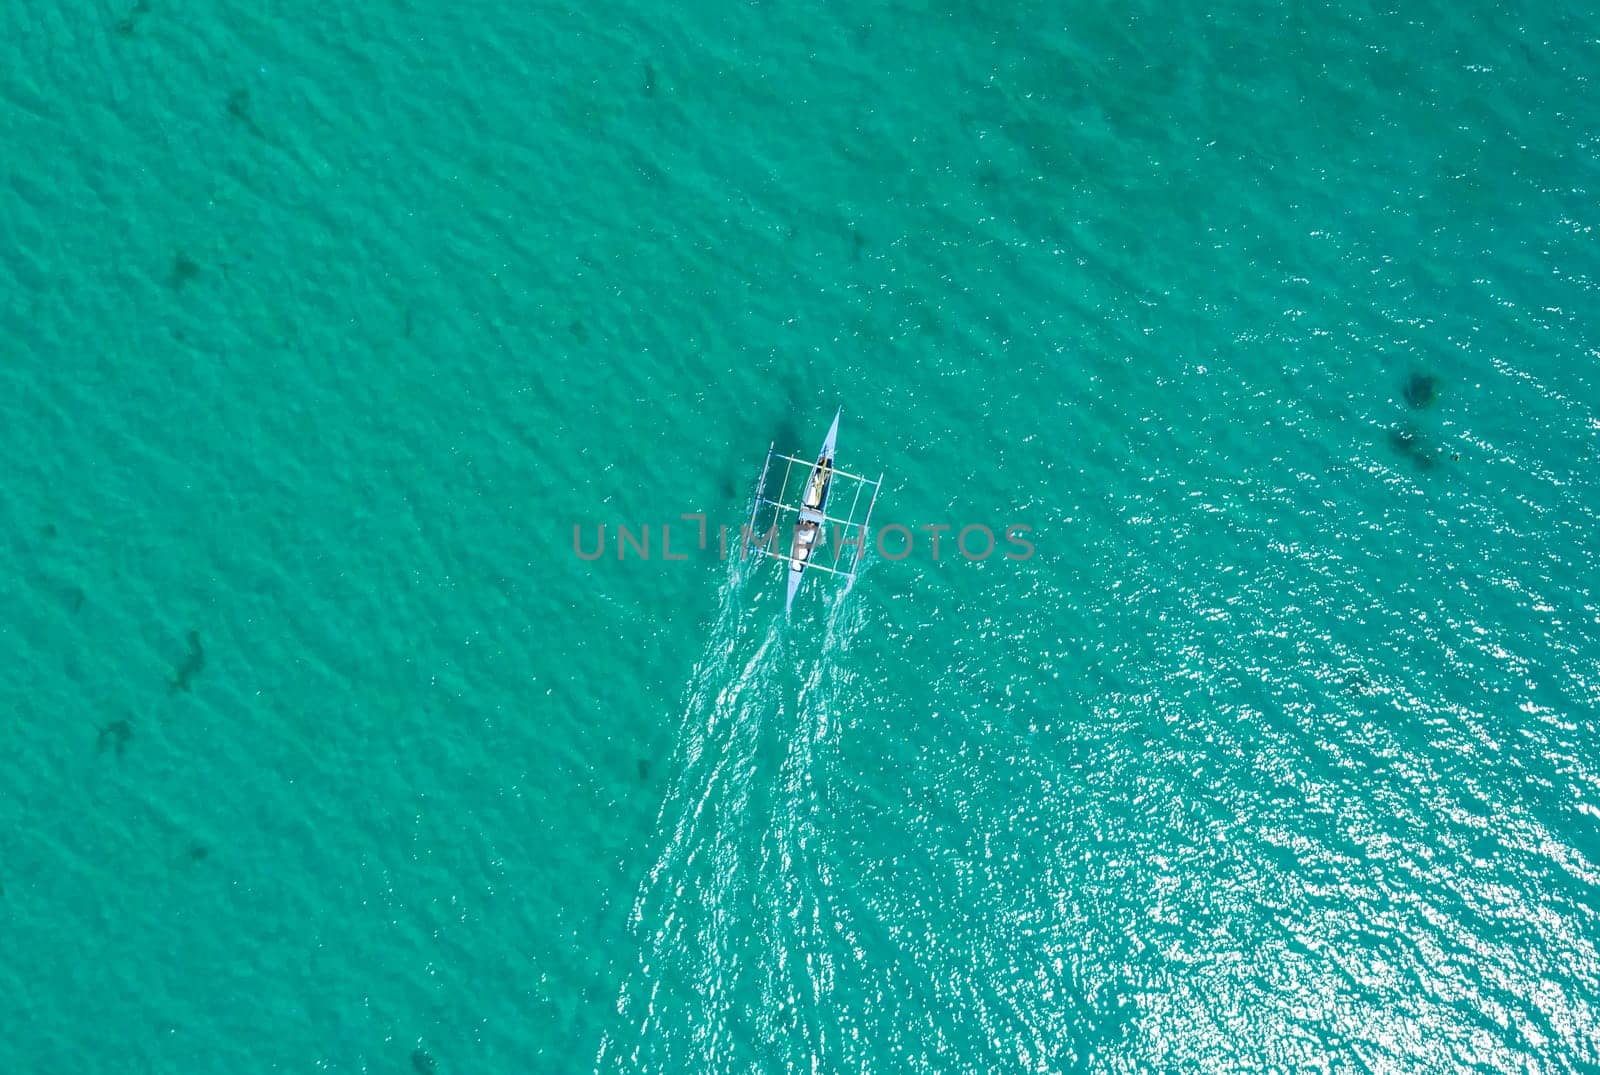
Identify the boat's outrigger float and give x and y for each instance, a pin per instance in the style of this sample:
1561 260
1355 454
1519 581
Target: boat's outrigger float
820 489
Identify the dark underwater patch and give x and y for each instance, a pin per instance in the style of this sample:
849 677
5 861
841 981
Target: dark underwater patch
1421 390
193 663
1408 444
125 26
113 736
239 109
184 269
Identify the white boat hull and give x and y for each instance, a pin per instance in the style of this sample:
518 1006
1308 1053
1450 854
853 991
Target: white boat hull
813 505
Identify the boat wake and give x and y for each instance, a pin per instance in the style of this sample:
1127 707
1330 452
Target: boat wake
731 919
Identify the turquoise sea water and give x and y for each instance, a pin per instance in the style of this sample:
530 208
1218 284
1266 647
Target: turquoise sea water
322 327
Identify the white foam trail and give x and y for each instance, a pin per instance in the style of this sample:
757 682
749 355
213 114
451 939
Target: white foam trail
682 896
731 918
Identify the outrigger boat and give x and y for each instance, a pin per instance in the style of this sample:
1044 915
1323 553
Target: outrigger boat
810 509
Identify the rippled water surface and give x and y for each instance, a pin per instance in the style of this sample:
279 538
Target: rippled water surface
325 326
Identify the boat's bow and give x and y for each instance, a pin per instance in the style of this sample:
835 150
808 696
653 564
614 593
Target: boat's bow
832 438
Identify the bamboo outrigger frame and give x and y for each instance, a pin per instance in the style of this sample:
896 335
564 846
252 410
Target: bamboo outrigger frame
785 503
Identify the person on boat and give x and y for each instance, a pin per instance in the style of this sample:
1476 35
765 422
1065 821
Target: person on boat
819 482
804 536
